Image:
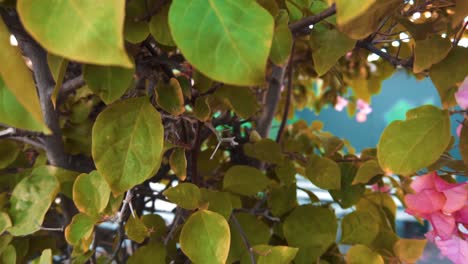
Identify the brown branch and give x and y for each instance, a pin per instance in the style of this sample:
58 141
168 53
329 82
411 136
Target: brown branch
407 63
288 96
301 27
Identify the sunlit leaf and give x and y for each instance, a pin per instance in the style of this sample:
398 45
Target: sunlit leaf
218 202
409 250
359 228
266 254
152 253
31 199
45 258
79 231
367 171
244 180
21 101
91 193
210 230
178 163
227 34
97 35
324 173
9 150
360 254
430 51
185 195
136 230
5 221
127 143
346 10
8 255
109 83
410 145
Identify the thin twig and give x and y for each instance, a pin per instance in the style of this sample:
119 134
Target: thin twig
29 141
244 238
175 223
407 63
288 95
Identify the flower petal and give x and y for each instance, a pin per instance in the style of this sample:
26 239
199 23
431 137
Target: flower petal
462 215
424 182
455 249
456 198
444 225
425 202
461 96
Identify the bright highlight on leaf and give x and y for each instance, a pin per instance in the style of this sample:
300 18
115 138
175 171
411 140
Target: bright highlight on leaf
97 35
224 34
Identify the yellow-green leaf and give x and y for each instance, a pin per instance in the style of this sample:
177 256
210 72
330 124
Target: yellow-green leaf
80 230
360 254
367 171
108 82
31 199
170 96
265 150
430 51
409 250
135 31
327 47
205 238
8 255
244 180
310 228
447 73
136 230
159 26
58 68
202 110
155 224
282 39
347 10
359 227
185 195
266 254
5 222
324 173
91 193
152 253
408 146
85 31
9 150
218 202
224 34
127 143
45 258
17 78
242 100
178 163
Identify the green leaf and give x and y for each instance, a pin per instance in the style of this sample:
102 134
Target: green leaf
347 10
9 255
282 40
152 253
205 238
127 143
45 258
367 171
430 51
265 150
66 179
5 240
360 24
324 173
409 250
360 254
58 67
242 100
447 73
244 180
225 34
155 224
17 78
310 228
282 199
5 222
266 254
286 172
159 26
9 151
218 202
178 163
359 227
97 35
256 232
202 110
136 230
461 11
80 230
91 193
109 83
410 145
31 199
170 96
185 195
382 208
328 46
135 31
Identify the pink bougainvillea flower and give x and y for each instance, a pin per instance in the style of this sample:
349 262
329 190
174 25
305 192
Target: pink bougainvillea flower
384 189
459 128
363 110
462 94
445 206
361 117
341 103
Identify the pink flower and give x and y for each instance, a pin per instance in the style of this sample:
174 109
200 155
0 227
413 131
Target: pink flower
341 103
462 94
459 128
445 206
385 188
363 110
